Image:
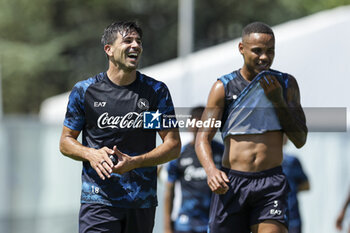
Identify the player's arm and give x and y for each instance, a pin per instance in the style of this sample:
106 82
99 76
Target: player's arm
216 179
289 112
301 178
72 148
304 186
168 206
341 215
168 150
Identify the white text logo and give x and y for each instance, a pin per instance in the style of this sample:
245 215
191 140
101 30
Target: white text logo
130 120
99 104
192 172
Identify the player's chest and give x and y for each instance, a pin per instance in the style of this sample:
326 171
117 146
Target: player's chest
117 108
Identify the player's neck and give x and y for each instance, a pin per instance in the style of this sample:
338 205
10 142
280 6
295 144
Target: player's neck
247 74
121 77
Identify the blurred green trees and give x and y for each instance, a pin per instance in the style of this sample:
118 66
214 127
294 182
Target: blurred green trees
48 45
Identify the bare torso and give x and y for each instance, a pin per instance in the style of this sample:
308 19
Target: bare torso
253 153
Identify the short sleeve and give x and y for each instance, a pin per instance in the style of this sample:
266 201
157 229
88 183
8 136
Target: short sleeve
75 116
165 105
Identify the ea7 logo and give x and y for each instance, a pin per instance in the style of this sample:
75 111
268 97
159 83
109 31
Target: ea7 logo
275 212
99 104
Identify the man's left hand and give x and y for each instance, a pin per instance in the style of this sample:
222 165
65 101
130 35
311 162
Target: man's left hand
272 88
125 162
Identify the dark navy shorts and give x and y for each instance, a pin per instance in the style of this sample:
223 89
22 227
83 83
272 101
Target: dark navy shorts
190 231
253 197
294 229
98 218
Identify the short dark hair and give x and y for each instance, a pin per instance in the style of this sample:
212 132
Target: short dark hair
197 112
123 27
257 27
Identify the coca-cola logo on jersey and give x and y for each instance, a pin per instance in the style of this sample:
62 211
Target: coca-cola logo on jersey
130 120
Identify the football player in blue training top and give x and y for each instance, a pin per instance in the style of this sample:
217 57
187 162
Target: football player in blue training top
257 106
298 182
193 215
108 108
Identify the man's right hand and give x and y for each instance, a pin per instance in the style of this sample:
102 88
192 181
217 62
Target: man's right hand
217 180
100 161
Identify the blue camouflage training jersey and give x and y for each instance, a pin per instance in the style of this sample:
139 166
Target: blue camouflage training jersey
247 110
108 115
196 194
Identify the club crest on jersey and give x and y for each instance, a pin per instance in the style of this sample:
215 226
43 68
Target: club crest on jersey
143 104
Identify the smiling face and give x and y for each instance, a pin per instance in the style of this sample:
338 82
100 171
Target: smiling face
258 51
126 50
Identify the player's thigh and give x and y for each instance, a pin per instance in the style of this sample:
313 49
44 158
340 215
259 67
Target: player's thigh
140 220
190 231
294 229
269 226
97 218
229 212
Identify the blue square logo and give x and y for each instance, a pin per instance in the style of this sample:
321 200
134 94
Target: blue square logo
151 120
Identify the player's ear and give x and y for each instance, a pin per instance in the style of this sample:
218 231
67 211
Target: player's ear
108 49
240 47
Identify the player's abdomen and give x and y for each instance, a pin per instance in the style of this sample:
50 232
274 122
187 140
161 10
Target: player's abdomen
254 152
